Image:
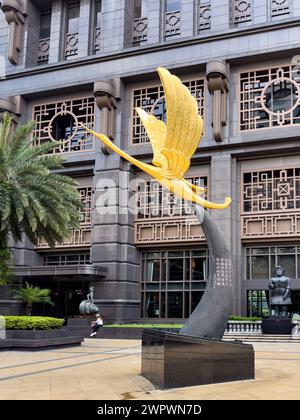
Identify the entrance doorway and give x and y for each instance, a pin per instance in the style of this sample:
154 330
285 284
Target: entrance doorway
66 296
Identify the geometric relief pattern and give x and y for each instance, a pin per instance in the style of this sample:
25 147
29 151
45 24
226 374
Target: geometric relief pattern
271 190
152 100
271 203
97 40
271 225
172 23
269 98
162 217
72 44
61 121
280 7
43 50
140 28
242 11
204 17
82 236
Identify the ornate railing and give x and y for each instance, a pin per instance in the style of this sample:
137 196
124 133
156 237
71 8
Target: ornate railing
244 327
43 50
139 31
71 46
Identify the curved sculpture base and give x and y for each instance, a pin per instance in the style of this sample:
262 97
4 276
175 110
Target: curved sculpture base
210 317
171 360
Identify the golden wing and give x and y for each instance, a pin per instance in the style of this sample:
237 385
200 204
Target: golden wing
184 124
157 132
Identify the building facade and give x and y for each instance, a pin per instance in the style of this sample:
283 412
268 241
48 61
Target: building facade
64 63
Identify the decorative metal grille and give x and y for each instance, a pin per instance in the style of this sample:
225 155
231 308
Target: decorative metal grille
271 203
242 11
140 30
269 98
162 217
204 18
97 40
81 236
43 50
73 138
280 7
172 23
72 42
152 100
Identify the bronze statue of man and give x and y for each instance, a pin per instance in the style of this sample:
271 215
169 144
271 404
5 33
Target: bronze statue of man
280 292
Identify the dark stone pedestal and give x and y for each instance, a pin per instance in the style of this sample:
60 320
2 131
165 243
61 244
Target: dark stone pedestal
277 325
171 360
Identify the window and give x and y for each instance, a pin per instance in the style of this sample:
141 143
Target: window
273 190
258 303
44 36
61 121
173 5
269 98
172 18
261 262
140 22
173 282
67 259
72 28
97 26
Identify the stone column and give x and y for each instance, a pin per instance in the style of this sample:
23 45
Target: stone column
154 21
57 32
220 15
84 28
187 18
260 11
117 295
113 25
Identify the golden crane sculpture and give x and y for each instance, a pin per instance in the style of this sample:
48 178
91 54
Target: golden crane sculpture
173 143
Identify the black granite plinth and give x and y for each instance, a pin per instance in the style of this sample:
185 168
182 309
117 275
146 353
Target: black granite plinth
39 340
280 325
171 360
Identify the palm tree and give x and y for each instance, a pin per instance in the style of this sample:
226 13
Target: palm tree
33 199
31 294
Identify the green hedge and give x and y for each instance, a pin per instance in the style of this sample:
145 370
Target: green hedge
244 318
32 323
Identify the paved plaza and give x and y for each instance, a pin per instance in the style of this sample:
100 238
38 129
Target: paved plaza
110 369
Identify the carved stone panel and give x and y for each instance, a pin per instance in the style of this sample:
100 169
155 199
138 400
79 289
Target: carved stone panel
204 17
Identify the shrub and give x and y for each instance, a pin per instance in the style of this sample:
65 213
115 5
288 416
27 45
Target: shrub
32 323
244 318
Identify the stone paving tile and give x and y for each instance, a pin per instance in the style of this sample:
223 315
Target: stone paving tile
110 369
